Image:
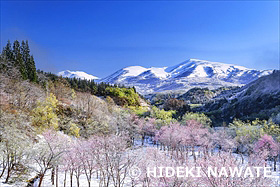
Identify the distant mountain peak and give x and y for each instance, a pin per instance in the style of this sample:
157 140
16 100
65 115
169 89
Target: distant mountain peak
183 76
77 74
196 59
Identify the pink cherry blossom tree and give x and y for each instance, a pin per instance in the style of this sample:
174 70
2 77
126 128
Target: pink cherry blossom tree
111 158
46 154
69 161
222 172
266 147
223 141
146 127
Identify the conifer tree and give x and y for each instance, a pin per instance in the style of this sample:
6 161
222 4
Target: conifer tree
7 52
18 59
16 50
32 74
25 51
28 61
22 68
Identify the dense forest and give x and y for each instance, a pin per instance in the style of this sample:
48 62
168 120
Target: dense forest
20 57
72 132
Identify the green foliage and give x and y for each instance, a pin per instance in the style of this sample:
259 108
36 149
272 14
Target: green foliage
7 53
123 96
16 51
245 129
31 69
83 85
271 129
74 130
139 110
67 125
44 115
21 58
253 130
22 69
192 106
73 94
200 117
162 114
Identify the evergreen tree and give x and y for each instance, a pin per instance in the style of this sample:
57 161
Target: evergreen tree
32 74
28 61
22 68
25 51
19 60
7 52
16 50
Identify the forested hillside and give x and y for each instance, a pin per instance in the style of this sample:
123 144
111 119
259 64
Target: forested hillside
259 99
256 100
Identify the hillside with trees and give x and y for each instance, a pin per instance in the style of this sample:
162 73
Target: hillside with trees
256 100
259 99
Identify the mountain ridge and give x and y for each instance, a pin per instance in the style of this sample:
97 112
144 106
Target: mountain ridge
184 76
77 74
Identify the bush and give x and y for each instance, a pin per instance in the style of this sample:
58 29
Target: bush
139 110
162 114
123 96
199 117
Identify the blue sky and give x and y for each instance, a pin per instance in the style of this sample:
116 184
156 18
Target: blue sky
102 37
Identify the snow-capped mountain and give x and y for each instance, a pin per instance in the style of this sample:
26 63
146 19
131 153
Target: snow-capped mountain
77 74
186 75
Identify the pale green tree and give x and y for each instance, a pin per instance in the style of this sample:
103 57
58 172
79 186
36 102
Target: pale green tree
44 115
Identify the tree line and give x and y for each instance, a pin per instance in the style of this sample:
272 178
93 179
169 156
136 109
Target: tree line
19 55
121 95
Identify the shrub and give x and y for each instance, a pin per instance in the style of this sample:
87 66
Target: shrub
200 117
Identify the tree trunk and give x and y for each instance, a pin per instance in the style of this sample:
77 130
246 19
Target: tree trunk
3 171
193 154
274 161
52 176
8 175
78 181
71 178
56 176
64 181
133 141
41 180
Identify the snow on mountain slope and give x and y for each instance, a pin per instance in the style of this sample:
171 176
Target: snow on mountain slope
136 71
186 75
77 74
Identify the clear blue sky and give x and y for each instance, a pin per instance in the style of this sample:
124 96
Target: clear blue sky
102 37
